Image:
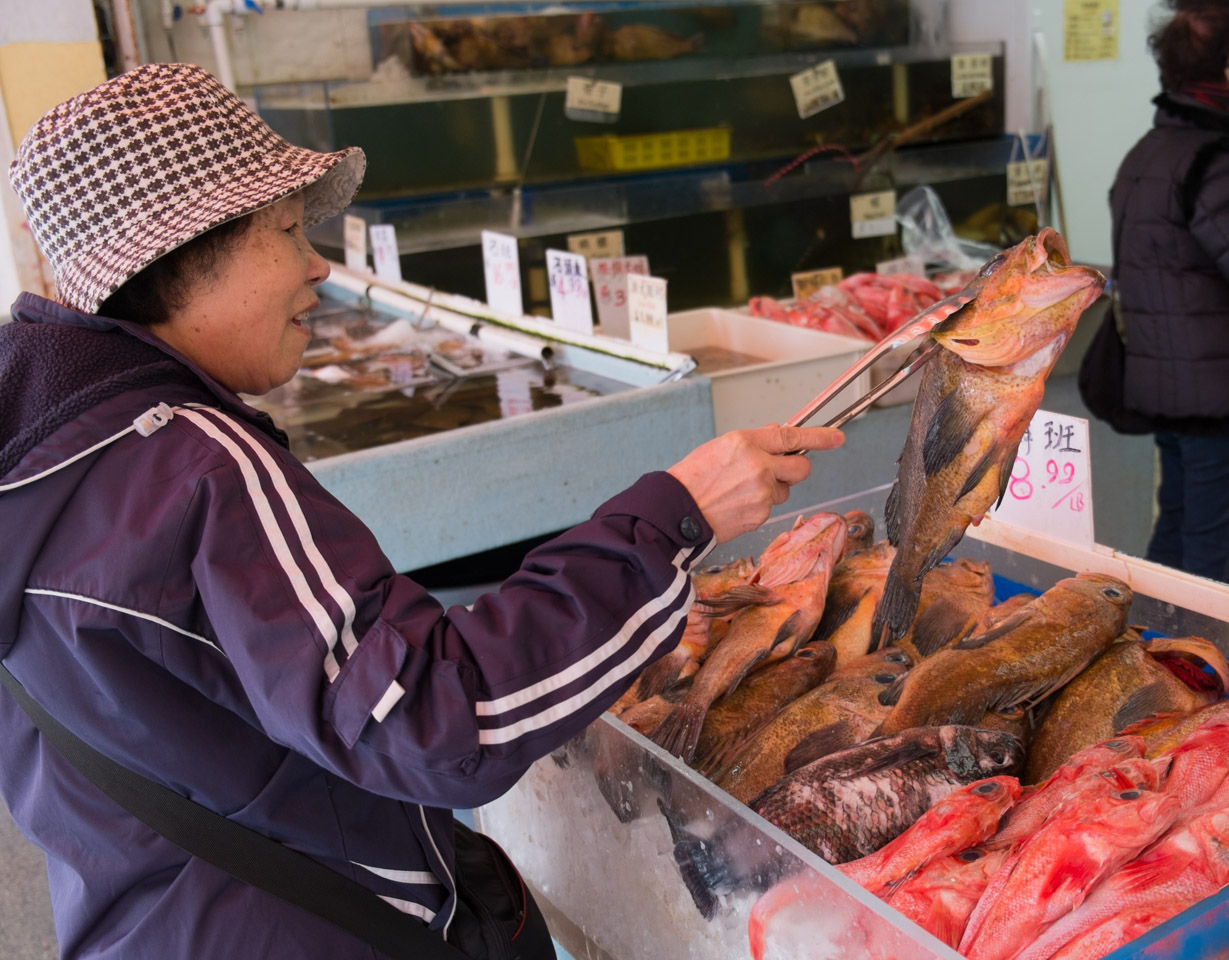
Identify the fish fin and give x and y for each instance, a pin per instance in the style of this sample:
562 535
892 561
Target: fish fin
939 553
1143 704
1067 875
891 510
825 740
736 598
943 924
1029 695
679 731
703 872
724 749
898 756
895 612
836 615
979 640
889 696
951 428
1005 474
939 624
992 457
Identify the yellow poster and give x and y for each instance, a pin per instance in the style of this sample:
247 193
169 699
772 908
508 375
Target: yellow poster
1090 30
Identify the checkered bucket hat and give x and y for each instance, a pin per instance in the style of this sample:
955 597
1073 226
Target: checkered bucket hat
120 175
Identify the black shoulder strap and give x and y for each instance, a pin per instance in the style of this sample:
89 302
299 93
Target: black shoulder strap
1195 173
243 853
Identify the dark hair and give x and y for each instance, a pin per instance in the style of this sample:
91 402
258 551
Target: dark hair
1192 46
151 296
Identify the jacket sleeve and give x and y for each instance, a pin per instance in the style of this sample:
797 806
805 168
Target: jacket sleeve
361 670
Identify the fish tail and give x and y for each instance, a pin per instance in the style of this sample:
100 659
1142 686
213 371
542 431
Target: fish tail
703 872
679 732
895 612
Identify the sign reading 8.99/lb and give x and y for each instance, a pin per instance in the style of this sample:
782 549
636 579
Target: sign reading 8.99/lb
1050 490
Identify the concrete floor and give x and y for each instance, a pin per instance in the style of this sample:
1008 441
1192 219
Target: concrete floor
26 930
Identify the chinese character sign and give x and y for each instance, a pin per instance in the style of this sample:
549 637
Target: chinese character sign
1050 490
569 291
646 308
610 291
816 88
501 265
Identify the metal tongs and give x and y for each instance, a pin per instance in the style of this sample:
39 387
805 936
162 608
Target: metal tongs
919 326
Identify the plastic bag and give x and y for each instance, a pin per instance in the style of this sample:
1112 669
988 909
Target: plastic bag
926 234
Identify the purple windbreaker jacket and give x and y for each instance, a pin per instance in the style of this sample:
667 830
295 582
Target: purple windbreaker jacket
179 591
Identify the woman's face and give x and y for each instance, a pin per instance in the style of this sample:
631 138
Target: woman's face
244 324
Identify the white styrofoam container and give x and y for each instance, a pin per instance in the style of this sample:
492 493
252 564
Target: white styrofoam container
782 367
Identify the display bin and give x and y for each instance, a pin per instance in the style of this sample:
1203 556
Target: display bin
653 151
585 825
763 371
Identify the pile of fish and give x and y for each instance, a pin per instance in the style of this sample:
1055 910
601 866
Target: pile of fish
873 700
1121 837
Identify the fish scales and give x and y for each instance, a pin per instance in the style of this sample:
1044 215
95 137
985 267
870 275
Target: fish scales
975 399
849 804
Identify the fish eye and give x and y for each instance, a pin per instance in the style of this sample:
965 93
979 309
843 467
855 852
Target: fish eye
807 654
713 569
970 856
992 265
896 658
1113 593
884 678
1116 744
1129 795
999 757
985 788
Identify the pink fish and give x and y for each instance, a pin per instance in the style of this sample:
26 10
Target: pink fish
1120 929
960 820
940 897
1060 863
1187 864
799 552
1198 764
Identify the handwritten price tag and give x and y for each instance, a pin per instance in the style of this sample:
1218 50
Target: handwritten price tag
384 253
569 291
971 75
592 101
1050 490
873 214
816 88
807 282
1027 181
501 266
610 291
646 310
354 238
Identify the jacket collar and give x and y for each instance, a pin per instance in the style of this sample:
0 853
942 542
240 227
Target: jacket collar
1176 108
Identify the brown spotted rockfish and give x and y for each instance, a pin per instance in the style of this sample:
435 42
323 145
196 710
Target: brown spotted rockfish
975 400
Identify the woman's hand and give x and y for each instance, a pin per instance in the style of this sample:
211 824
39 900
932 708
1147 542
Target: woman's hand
737 478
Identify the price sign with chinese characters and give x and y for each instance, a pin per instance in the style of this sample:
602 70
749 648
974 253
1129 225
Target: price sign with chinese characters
1050 490
807 282
816 88
1026 182
502 267
971 75
610 291
601 243
384 252
873 214
646 310
569 291
592 101
354 238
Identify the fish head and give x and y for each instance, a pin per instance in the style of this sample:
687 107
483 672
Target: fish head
973 753
969 576
721 577
1108 591
814 543
859 531
1027 299
1211 833
1194 660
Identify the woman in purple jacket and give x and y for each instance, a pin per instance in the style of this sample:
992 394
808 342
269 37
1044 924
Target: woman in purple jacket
180 592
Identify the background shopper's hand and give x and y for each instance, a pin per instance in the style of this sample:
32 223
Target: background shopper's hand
737 478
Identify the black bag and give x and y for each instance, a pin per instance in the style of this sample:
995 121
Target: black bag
496 918
1102 377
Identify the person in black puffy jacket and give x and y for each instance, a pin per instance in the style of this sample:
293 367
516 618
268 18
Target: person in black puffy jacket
1170 208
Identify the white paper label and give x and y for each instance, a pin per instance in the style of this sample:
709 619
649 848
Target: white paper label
610 291
1022 177
601 243
971 75
384 252
588 99
514 387
816 88
873 214
354 233
1050 490
503 273
569 291
807 282
646 310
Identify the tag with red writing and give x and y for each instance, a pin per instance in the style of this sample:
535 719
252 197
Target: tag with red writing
610 290
501 265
